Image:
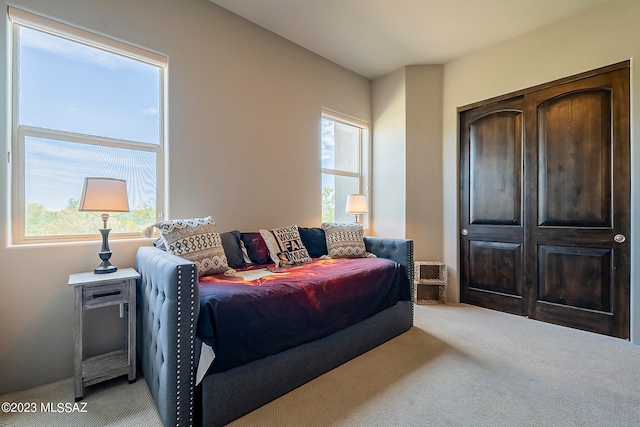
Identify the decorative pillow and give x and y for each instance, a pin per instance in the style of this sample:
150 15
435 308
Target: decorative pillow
159 243
256 247
245 254
314 240
285 246
231 244
344 240
195 239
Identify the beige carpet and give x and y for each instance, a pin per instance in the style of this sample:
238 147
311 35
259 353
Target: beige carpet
113 403
459 366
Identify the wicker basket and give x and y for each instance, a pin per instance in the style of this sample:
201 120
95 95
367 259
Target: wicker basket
430 280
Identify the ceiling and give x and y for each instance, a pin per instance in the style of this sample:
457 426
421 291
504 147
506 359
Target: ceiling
375 37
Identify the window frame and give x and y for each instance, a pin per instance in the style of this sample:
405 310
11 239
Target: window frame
16 155
364 162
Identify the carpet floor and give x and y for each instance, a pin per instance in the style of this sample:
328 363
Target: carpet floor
459 365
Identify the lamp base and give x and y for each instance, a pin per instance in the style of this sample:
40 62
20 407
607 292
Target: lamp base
104 270
105 253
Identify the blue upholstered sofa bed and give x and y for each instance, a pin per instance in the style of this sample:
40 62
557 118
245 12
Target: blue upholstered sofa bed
168 350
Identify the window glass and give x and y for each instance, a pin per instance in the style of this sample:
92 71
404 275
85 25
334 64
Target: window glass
54 177
335 189
83 106
67 85
340 146
341 149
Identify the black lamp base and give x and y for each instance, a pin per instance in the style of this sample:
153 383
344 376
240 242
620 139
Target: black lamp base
105 269
105 253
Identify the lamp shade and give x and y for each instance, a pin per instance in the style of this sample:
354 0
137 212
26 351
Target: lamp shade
356 204
104 195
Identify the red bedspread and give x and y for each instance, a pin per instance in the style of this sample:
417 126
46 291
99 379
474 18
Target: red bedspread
247 320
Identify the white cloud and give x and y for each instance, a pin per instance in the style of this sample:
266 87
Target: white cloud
150 111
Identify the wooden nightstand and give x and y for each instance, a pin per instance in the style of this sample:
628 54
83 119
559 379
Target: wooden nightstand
100 290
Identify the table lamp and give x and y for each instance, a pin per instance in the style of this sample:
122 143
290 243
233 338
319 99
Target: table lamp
104 195
357 205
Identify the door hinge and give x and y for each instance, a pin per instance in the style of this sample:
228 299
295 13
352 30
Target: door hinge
9 157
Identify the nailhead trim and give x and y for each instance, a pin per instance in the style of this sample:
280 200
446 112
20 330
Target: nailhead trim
411 272
192 341
192 309
178 348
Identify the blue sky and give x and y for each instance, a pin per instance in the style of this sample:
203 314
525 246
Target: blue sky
57 170
69 86
327 143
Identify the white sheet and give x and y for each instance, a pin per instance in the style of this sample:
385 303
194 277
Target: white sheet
249 275
206 359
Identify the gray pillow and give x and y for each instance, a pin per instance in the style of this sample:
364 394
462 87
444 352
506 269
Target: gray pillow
232 249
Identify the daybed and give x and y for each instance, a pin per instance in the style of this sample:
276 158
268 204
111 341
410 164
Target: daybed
168 303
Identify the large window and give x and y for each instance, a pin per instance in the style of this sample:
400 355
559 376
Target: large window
344 143
83 106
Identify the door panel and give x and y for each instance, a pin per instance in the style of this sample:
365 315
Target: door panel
573 276
544 188
495 267
496 144
495 276
574 140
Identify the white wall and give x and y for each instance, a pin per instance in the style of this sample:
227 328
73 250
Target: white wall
407 157
389 196
244 129
424 165
600 36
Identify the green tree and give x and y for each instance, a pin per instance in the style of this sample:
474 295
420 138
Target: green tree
40 221
328 204
137 219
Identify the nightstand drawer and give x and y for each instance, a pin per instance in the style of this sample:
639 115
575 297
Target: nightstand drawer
96 296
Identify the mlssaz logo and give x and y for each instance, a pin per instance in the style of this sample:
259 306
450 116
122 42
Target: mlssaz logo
61 407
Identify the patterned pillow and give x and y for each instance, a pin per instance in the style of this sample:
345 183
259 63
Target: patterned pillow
196 240
285 246
344 240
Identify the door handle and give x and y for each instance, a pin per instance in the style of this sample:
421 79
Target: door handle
619 238
464 231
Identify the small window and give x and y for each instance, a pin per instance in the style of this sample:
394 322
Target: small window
344 143
83 106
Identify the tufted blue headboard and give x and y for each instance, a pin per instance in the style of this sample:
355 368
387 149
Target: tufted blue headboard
398 250
167 314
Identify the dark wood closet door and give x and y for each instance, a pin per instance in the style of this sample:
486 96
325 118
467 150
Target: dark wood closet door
492 242
577 273
545 203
